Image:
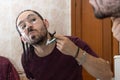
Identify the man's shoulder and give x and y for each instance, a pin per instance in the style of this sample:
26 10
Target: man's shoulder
75 39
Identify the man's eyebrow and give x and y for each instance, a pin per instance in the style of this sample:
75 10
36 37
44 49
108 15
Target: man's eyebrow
20 23
26 18
30 15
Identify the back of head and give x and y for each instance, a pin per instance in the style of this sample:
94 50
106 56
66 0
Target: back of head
106 8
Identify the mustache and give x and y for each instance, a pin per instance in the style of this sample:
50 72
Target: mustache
30 29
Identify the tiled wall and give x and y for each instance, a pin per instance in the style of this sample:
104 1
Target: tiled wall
57 12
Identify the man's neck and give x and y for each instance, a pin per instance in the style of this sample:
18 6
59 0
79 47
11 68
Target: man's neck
43 49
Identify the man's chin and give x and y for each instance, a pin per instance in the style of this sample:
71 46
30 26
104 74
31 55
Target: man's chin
37 42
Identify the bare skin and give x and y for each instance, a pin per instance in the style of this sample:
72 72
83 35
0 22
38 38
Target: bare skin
97 67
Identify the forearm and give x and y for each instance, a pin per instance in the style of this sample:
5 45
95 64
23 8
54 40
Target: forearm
97 67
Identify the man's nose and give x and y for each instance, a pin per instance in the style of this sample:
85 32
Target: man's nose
28 25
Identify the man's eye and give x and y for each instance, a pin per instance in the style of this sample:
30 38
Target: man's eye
33 20
23 27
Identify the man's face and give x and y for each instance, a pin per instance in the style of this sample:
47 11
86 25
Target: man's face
32 28
106 8
116 28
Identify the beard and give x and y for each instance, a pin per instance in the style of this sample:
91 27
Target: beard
98 14
108 12
38 37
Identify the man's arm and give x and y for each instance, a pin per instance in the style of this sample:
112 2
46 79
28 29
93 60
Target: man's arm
97 67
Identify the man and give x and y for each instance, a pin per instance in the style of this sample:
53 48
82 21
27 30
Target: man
108 8
62 59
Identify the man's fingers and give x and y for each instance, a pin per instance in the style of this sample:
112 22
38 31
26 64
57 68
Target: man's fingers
59 37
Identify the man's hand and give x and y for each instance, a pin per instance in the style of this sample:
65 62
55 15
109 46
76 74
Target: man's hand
65 45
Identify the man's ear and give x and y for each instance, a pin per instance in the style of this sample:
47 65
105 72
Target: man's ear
46 23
